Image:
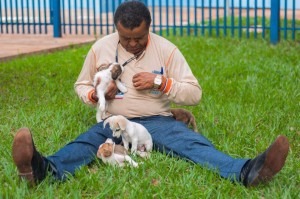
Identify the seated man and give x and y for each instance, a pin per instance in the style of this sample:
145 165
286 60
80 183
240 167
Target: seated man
156 74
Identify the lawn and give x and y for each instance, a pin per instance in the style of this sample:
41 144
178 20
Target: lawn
251 94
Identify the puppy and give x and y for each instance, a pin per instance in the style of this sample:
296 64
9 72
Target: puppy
184 116
113 154
101 81
131 132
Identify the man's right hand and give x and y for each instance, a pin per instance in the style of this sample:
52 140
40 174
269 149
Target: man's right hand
94 96
110 94
111 91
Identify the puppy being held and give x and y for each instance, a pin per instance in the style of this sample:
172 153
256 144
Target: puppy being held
185 116
131 132
114 154
102 79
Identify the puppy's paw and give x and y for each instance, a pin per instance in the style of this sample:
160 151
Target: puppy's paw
124 90
144 154
99 120
133 153
134 164
98 117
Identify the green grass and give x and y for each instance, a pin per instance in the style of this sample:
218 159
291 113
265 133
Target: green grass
251 94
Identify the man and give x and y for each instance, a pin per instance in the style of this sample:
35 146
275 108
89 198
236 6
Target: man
156 74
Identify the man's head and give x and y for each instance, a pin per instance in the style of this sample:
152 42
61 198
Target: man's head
131 14
132 20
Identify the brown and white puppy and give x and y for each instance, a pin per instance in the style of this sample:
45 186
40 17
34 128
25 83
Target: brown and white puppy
184 116
101 81
131 132
114 154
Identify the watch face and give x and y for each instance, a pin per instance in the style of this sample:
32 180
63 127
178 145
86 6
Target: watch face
157 81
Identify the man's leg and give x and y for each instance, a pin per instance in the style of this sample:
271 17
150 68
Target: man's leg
30 163
267 164
77 153
173 136
170 135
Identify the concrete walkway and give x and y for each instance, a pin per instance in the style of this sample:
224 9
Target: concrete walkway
15 45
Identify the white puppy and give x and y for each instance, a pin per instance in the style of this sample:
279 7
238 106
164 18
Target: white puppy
113 154
101 81
131 132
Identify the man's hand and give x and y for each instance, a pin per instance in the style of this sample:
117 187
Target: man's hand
110 92
94 96
143 80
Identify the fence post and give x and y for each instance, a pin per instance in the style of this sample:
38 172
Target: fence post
56 18
275 21
145 2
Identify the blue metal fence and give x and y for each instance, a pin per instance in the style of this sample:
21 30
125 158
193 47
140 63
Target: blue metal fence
269 19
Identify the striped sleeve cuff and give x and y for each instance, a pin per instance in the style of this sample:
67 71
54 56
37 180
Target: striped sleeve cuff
90 94
168 85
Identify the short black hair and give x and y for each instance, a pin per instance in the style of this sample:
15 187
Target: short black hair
131 14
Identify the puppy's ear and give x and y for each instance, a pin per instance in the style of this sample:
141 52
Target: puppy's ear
104 67
100 151
106 121
108 150
122 122
105 150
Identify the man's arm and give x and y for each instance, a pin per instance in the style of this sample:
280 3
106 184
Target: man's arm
184 88
84 87
178 83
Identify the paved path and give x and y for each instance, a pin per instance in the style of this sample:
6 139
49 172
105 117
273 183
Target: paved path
14 45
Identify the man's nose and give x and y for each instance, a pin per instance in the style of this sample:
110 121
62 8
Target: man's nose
132 42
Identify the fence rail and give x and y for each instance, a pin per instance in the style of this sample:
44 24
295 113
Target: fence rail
269 19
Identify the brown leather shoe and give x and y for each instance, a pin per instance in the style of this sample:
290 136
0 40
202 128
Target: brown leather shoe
266 165
30 163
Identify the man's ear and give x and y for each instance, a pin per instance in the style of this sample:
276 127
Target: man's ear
122 123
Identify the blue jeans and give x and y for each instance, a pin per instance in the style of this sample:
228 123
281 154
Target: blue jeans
169 136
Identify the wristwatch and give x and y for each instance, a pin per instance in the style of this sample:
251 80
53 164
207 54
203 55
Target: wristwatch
157 82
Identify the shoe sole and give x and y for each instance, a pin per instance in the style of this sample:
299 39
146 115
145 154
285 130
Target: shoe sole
22 152
274 161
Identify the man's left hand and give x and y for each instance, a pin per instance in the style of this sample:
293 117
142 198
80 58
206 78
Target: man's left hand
143 80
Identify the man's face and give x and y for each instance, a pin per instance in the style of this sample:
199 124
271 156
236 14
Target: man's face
134 41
